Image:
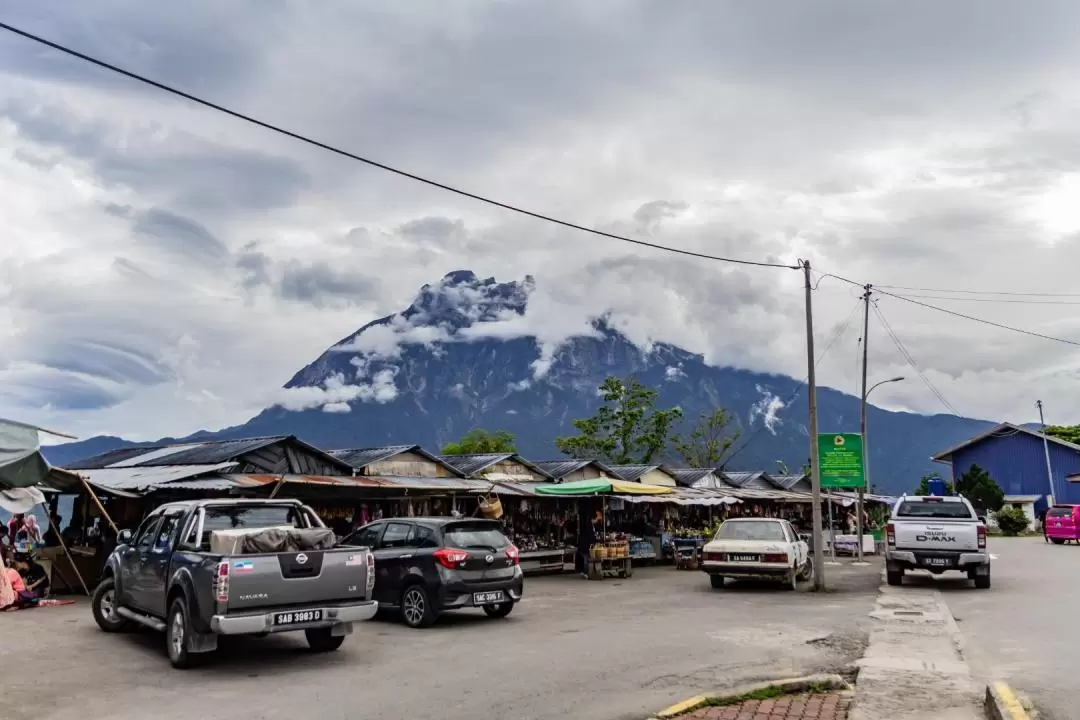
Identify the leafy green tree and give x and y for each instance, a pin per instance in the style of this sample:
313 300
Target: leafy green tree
981 490
479 440
782 468
1068 433
708 441
924 484
626 429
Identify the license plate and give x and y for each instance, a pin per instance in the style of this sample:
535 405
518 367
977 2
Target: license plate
298 617
486 598
743 557
938 562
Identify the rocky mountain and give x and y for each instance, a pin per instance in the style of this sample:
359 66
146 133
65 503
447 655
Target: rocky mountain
456 359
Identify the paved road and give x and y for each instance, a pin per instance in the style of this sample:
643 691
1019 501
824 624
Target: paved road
616 649
1024 629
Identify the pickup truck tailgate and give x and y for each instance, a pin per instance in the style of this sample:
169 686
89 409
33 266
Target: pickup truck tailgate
936 535
297 578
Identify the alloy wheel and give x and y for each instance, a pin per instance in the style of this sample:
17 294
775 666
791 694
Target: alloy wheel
108 608
412 606
176 635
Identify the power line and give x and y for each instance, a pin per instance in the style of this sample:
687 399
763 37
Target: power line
374 163
991 300
911 361
984 321
840 330
978 292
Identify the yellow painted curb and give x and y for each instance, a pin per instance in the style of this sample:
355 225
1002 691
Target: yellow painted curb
682 707
1007 705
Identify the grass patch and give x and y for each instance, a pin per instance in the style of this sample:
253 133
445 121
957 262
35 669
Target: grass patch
767 693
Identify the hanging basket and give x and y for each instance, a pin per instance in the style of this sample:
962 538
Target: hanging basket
491 507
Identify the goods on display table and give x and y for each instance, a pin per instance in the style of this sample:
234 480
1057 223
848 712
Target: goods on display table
610 558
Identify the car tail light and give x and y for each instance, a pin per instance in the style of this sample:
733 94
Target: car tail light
981 529
775 558
221 583
450 557
714 556
370 572
890 535
513 554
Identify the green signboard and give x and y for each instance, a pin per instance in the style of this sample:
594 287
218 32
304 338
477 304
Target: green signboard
841 460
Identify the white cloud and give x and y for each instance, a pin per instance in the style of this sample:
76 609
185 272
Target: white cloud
674 373
164 268
768 409
336 394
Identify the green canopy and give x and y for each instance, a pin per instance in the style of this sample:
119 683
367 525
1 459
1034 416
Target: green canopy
601 486
576 487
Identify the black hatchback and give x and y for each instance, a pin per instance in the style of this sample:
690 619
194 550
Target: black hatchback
424 566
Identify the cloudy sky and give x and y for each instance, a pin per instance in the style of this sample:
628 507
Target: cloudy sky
166 268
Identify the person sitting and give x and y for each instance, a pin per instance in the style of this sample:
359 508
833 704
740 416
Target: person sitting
34 576
23 597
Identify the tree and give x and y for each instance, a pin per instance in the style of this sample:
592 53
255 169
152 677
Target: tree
1011 521
924 484
479 440
708 441
627 428
1068 433
980 490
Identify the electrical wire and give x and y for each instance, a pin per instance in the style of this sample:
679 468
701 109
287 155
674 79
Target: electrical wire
840 330
979 292
374 163
911 360
984 321
908 296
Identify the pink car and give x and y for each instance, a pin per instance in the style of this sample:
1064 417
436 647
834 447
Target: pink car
1062 524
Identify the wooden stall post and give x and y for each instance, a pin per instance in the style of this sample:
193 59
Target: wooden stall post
100 507
68 553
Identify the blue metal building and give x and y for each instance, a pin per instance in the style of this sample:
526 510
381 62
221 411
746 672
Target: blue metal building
1015 458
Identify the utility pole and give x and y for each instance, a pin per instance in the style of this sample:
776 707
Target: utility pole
862 426
1046 451
815 469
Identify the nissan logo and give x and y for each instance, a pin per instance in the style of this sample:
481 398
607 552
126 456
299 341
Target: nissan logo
301 558
489 559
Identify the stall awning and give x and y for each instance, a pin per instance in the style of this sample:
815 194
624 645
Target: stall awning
601 487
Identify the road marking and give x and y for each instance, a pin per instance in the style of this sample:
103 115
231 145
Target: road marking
682 707
1011 704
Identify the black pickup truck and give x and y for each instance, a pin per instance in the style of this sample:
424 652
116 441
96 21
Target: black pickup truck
166 575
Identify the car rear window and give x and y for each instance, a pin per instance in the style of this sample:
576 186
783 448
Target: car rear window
475 535
741 530
933 509
1061 511
251 517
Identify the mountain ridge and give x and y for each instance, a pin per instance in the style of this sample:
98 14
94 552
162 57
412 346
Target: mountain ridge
459 357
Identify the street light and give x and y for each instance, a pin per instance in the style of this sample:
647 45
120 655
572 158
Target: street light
866 463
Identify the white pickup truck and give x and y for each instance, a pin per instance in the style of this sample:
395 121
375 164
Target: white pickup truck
937 534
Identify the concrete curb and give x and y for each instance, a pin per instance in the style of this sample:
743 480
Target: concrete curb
1003 704
792 685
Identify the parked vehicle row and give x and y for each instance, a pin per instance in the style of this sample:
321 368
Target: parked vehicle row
197 570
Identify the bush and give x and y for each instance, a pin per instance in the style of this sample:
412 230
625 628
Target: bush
1012 521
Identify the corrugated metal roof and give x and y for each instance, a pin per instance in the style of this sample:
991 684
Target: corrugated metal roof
263 479
367 482
788 482
362 457
146 479
558 469
469 465
207 483
756 479
436 484
689 476
632 473
192 453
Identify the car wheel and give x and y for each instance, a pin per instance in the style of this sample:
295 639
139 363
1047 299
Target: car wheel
894 577
176 636
416 607
104 607
717 581
807 574
321 640
499 610
982 582
791 580
1057 541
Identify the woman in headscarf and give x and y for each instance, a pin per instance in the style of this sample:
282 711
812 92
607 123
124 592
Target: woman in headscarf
32 530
